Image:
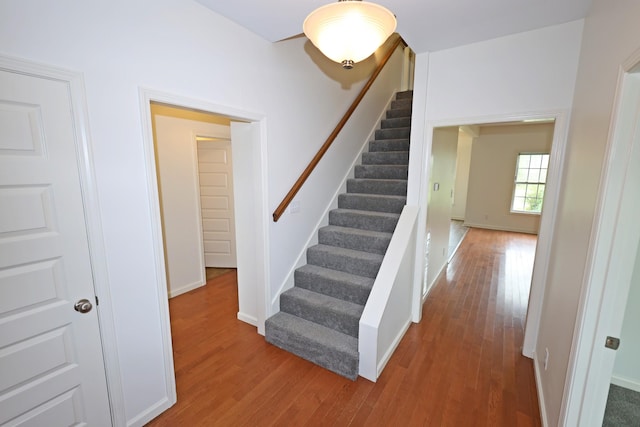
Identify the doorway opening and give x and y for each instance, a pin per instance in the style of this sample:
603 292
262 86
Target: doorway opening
474 181
247 133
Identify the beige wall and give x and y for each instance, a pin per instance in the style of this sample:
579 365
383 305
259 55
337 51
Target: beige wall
493 162
463 163
178 185
611 35
443 158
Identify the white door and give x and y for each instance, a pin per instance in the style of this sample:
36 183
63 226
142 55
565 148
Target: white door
51 363
216 200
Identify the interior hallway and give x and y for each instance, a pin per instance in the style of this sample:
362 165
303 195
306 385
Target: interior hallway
462 365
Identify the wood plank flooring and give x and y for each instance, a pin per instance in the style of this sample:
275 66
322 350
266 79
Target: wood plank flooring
461 366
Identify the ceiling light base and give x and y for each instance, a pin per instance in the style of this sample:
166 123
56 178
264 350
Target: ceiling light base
347 64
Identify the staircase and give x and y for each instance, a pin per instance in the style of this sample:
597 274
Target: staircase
319 317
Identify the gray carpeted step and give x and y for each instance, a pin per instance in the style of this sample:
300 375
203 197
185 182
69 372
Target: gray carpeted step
385 158
323 346
338 284
391 187
396 133
401 104
364 220
354 238
404 94
399 112
382 171
334 313
372 202
399 122
354 262
389 145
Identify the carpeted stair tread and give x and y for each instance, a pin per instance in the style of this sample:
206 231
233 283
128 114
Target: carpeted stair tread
334 313
385 158
405 94
396 122
348 260
398 112
365 220
389 145
389 187
382 171
401 104
354 238
395 133
338 284
323 346
372 202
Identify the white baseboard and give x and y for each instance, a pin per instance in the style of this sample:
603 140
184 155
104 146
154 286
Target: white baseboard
543 409
499 228
629 383
248 319
186 288
442 271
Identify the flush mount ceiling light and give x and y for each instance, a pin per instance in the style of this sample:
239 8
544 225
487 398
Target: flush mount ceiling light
350 30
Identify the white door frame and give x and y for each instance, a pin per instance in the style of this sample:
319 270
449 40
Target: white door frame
608 269
261 263
547 220
84 159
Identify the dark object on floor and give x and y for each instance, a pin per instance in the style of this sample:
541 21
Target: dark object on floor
623 408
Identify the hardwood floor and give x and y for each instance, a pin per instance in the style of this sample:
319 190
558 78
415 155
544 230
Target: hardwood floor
461 366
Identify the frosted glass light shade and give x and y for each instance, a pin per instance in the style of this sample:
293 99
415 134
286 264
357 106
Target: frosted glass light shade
349 31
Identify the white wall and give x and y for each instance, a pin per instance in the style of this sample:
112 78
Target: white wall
611 35
626 372
493 164
525 72
181 48
443 162
461 186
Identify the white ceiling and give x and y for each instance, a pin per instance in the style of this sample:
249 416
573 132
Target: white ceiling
426 25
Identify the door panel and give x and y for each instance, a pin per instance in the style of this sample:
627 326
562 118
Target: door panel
50 355
216 201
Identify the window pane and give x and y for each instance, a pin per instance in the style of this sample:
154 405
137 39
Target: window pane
543 175
536 161
518 203
523 161
532 190
541 191
533 205
521 190
534 175
522 175
545 161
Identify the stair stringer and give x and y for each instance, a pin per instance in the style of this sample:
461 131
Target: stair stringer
312 240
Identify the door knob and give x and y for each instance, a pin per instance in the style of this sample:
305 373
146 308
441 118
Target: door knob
83 306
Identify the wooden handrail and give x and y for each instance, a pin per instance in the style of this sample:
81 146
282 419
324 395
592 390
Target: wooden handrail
316 159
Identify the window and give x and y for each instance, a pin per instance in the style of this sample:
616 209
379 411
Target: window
530 181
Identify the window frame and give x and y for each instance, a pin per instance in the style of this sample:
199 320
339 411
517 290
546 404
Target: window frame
527 182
